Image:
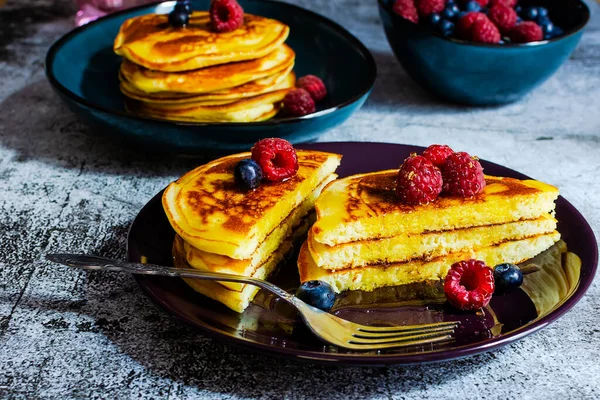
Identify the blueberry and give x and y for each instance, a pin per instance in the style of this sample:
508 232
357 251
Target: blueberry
178 19
501 42
485 10
472 6
446 27
317 294
542 12
518 10
519 20
450 11
542 20
183 6
248 173
462 14
530 13
547 28
434 19
450 2
557 31
507 277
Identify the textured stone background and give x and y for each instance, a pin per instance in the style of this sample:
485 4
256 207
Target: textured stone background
68 334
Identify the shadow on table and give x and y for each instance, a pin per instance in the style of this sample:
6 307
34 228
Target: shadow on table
171 350
38 126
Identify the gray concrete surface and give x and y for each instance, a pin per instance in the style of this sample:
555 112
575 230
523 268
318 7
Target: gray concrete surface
68 334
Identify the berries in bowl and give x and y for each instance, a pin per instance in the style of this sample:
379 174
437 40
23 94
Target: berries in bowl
482 52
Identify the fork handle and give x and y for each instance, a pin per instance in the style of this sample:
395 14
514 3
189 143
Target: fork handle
87 262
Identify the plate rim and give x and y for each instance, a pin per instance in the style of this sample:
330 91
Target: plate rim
359 359
357 44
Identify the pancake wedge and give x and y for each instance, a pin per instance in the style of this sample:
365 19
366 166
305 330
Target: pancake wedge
281 80
425 246
257 108
209 79
236 300
151 42
293 225
365 207
370 277
210 211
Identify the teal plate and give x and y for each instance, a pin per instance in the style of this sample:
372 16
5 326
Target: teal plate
83 70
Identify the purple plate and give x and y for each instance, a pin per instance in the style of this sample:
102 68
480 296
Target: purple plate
271 326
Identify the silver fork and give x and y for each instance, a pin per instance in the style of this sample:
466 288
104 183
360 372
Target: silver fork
326 326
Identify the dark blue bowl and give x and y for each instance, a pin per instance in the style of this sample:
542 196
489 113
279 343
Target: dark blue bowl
483 74
83 69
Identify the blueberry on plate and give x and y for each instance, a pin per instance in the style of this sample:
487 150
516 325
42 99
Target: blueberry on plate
179 19
183 6
318 294
507 277
248 173
472 6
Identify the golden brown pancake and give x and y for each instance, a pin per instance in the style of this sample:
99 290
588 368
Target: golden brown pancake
365 206
150 41
281 80
419 270
257 108
210 211
210 79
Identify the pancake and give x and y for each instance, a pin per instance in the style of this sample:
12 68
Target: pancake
205 261
257 108
370 277
207 80
365 207
280 80
211 212
428 245
235 300
150 41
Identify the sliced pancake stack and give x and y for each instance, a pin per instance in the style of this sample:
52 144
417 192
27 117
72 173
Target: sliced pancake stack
194 74
221 227
365 238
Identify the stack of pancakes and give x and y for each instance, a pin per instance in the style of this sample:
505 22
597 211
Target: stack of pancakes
365 238
223 228
197 75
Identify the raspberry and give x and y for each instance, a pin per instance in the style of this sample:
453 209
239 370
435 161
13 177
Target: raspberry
437 154
465 24
463 175
506 3
482 3
226 15
277 159
469 284
484 31
314 86
419 181
297 102
428 7
526 32
406 9
505 18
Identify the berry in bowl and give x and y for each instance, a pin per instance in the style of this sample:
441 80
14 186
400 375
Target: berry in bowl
482 52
